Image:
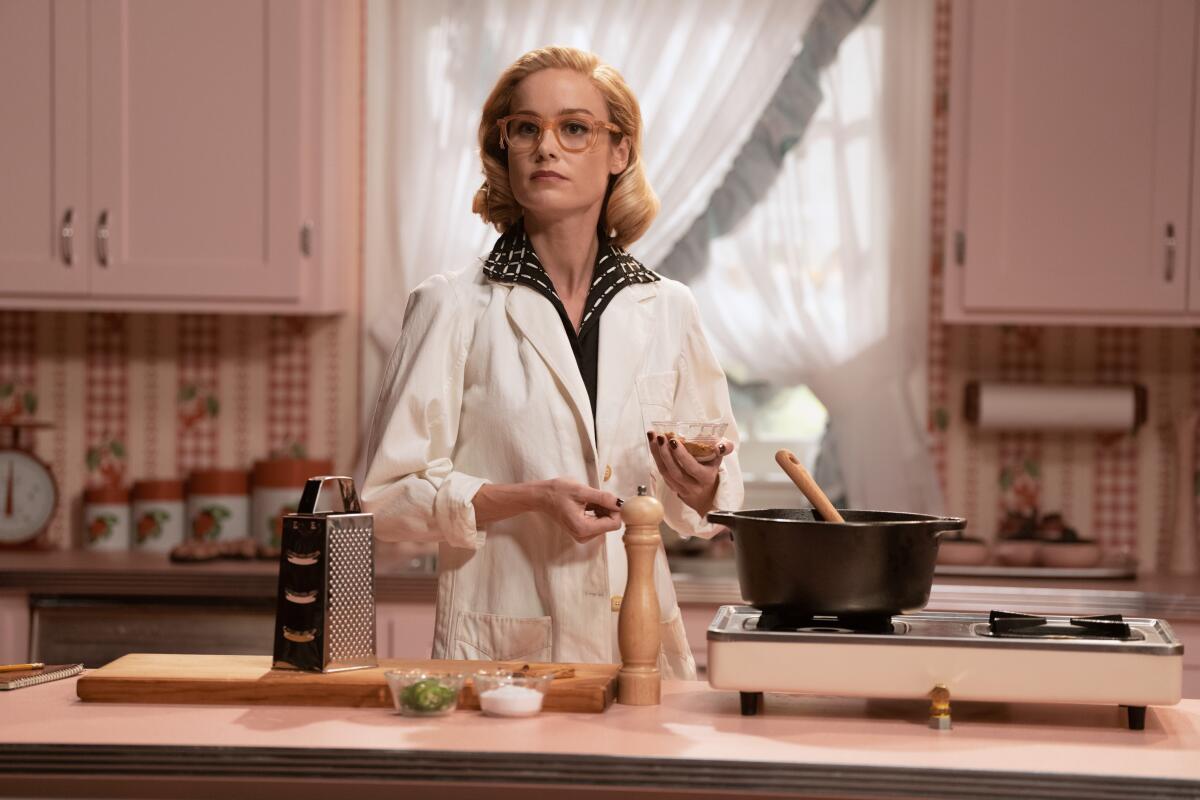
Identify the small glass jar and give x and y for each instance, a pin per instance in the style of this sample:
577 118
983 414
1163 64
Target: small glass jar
106 518
416 693
503 694
218 504
158 515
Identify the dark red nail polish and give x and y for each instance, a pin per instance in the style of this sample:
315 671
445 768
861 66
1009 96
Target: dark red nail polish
650 435
721 448
661 440
620 502
674 444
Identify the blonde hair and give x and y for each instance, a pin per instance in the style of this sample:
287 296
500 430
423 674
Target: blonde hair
630 204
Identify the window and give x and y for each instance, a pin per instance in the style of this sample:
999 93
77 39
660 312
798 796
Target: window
770 418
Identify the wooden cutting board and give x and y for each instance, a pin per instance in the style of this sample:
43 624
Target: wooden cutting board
238 680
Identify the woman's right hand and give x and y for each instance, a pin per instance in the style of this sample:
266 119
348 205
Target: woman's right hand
582 511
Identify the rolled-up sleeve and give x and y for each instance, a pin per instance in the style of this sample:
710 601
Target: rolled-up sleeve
411 484
703 394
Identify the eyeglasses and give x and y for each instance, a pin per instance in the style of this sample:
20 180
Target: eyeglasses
522 133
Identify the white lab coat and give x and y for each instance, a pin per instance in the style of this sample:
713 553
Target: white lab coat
483 387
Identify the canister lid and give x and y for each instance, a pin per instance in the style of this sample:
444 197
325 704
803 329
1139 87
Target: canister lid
288 473
219 481
160 489
105 494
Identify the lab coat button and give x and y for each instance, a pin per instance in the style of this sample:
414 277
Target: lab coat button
616 602
607 471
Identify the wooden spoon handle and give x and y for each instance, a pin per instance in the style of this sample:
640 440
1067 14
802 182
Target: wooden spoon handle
805 483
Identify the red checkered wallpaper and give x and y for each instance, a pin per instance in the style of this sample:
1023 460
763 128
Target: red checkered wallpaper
106 399
1115 487
199 407
18 396
938 387
289 386
1020 454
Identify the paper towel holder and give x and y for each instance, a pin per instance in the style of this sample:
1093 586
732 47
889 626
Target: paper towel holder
973 401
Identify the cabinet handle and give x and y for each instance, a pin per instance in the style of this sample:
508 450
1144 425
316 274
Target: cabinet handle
66 237
102 238
1170 252
306 238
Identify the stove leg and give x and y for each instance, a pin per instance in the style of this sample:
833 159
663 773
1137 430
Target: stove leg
1137 717
751 703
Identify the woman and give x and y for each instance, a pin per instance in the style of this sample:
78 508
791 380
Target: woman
514 413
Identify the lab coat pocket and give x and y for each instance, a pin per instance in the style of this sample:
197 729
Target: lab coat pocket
675 661
656 396
494 637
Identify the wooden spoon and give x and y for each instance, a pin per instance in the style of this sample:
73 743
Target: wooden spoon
805 483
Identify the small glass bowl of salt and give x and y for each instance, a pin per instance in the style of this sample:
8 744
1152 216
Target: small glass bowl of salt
503 694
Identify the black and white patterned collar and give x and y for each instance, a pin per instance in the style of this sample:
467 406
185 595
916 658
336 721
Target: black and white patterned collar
513 260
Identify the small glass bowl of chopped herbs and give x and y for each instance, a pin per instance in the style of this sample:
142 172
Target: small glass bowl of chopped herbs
416 693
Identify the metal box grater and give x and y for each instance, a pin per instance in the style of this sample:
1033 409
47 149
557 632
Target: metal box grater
325 603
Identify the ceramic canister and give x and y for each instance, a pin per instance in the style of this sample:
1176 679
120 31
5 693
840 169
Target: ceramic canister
278 484
218 504
158 514
106 518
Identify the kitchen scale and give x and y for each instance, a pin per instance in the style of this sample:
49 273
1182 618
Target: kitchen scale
1001 657
28 490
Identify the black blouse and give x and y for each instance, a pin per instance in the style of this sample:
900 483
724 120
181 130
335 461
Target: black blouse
513 260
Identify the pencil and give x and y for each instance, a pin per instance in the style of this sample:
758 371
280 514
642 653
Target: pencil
19 667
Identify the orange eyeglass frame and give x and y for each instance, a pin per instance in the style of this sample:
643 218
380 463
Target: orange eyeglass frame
552 123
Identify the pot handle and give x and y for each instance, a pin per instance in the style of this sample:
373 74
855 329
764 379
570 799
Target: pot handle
726 518
949 525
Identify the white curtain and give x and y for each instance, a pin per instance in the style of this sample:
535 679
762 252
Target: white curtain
703 71
825 283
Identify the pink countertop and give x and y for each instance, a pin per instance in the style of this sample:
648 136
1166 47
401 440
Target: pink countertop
1057 745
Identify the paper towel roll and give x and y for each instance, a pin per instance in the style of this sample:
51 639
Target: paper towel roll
1061 407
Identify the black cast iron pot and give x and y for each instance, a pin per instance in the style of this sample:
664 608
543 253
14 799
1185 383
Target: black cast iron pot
875 563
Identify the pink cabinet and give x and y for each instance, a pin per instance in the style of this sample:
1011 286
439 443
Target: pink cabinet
186 142
1070 171
196 161
43 147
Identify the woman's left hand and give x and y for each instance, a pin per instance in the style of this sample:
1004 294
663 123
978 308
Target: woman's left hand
694 482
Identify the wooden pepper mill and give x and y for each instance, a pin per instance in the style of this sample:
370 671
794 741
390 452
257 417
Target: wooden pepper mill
638 635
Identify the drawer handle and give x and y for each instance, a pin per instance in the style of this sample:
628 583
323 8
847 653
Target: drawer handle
303 559
303 598
300 637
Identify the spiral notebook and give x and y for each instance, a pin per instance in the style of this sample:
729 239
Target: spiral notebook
32 677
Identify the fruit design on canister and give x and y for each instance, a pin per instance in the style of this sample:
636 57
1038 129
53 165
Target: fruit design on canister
101 527
149 525
275 524
207 523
